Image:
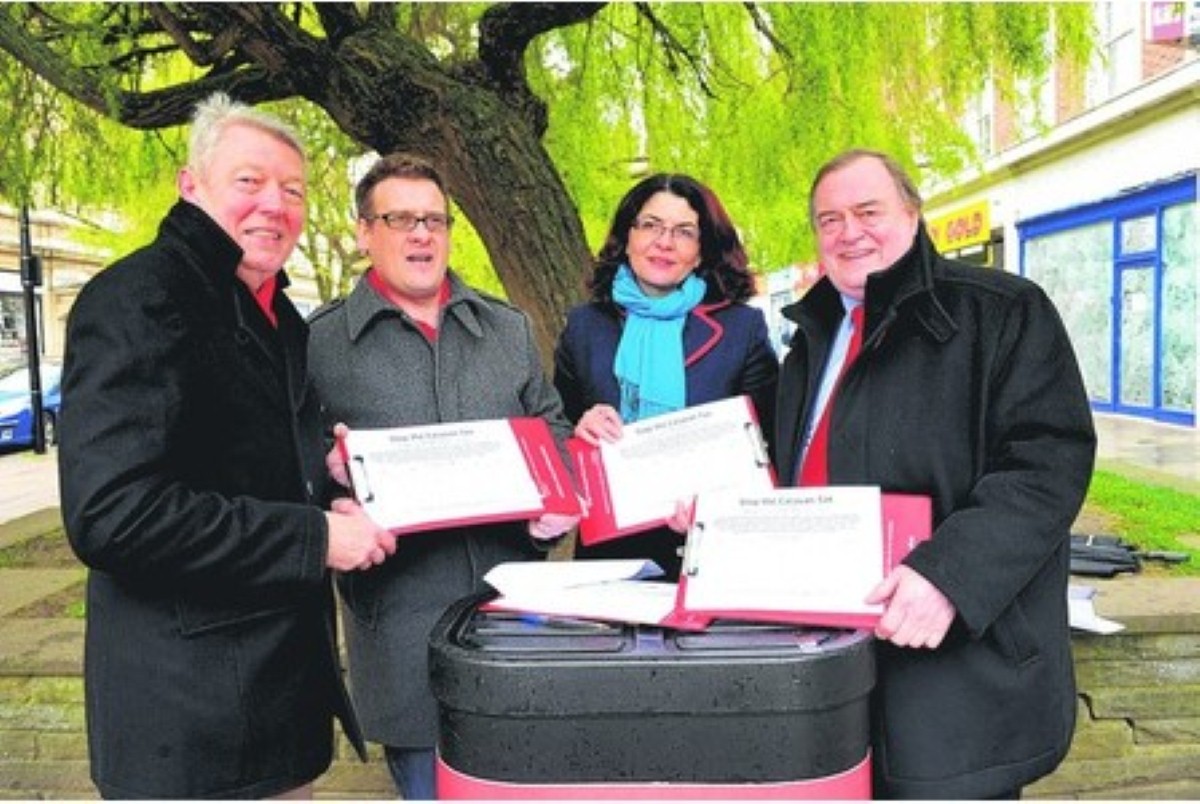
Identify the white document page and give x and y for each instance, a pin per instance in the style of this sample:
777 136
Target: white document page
624 601
517 577
604 589
1081 611
410 476
792 550
672 457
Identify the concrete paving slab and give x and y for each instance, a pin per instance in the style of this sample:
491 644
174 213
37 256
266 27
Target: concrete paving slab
22 587
29 526
1148 603
28 482
1168 453
41 647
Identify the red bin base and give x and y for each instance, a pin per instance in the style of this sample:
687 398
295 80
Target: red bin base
852 784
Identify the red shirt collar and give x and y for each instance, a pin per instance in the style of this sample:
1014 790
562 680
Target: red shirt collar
381 287
265 296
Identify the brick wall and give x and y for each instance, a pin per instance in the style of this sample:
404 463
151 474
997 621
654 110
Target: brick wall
1138 734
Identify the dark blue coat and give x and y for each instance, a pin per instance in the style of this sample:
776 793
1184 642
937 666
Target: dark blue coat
191 457
967 390
727 352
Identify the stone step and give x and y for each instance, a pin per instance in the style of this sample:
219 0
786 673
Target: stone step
24 586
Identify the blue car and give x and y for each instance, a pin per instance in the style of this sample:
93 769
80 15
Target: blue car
16 410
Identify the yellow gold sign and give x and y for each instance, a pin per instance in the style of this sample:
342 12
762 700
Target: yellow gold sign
965 226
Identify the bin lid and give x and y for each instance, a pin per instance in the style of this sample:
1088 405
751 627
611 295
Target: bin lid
504 662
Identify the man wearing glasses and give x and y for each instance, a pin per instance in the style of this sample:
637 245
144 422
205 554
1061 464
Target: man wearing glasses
413 345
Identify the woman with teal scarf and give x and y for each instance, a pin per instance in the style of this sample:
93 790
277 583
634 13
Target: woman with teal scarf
667 327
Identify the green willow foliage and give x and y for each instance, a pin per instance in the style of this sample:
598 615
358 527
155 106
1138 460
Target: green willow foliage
749 98
755 116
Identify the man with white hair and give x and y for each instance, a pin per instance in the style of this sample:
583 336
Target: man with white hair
193 469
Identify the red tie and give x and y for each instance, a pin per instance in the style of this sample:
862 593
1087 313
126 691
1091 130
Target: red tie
815 469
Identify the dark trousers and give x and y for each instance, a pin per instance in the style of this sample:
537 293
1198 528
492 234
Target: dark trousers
413 772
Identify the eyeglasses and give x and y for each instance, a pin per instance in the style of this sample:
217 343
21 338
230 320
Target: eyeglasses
654 229
408 222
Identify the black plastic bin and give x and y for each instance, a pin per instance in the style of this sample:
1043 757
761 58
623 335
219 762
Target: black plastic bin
533 707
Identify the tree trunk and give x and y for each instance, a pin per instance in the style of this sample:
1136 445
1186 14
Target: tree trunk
392 98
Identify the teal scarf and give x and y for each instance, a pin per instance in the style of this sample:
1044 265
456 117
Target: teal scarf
649 361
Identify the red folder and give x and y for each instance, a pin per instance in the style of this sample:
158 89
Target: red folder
907 520
542 461
600 522
546 466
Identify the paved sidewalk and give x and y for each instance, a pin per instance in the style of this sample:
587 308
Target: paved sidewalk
29 482
1151 451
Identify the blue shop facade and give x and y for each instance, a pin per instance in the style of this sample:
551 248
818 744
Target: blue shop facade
1123 274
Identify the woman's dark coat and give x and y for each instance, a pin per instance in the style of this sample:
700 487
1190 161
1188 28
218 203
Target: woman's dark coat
967 390
190 460
727 352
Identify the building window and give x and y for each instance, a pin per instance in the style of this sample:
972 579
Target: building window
1125 276
1074 267
1118 66
1179 293
1138 235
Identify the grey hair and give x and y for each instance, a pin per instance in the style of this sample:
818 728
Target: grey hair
905 186
216 113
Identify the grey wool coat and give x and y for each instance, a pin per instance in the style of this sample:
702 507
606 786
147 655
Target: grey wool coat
374 368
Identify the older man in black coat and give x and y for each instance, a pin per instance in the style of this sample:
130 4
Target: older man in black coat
966 389
192 463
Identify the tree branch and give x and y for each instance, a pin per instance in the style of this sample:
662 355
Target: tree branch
201 54
39 59
282 48
141 110
381 15
506 29
174 106
674 49
763 26
339 20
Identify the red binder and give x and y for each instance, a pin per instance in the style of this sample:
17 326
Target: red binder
906 520
738 457
531 467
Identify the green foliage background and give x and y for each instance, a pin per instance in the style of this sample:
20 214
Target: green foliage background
749 98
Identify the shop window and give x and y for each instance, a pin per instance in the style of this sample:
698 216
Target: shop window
1179 292
1074 267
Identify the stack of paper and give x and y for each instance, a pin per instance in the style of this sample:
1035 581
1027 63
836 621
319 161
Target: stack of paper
609 589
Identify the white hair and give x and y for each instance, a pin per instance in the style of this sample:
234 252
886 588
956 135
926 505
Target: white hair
216 113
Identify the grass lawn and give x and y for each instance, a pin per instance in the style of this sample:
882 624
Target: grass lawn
1153 517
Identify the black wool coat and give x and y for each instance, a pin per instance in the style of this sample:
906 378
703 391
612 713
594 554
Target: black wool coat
191 457
967 390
